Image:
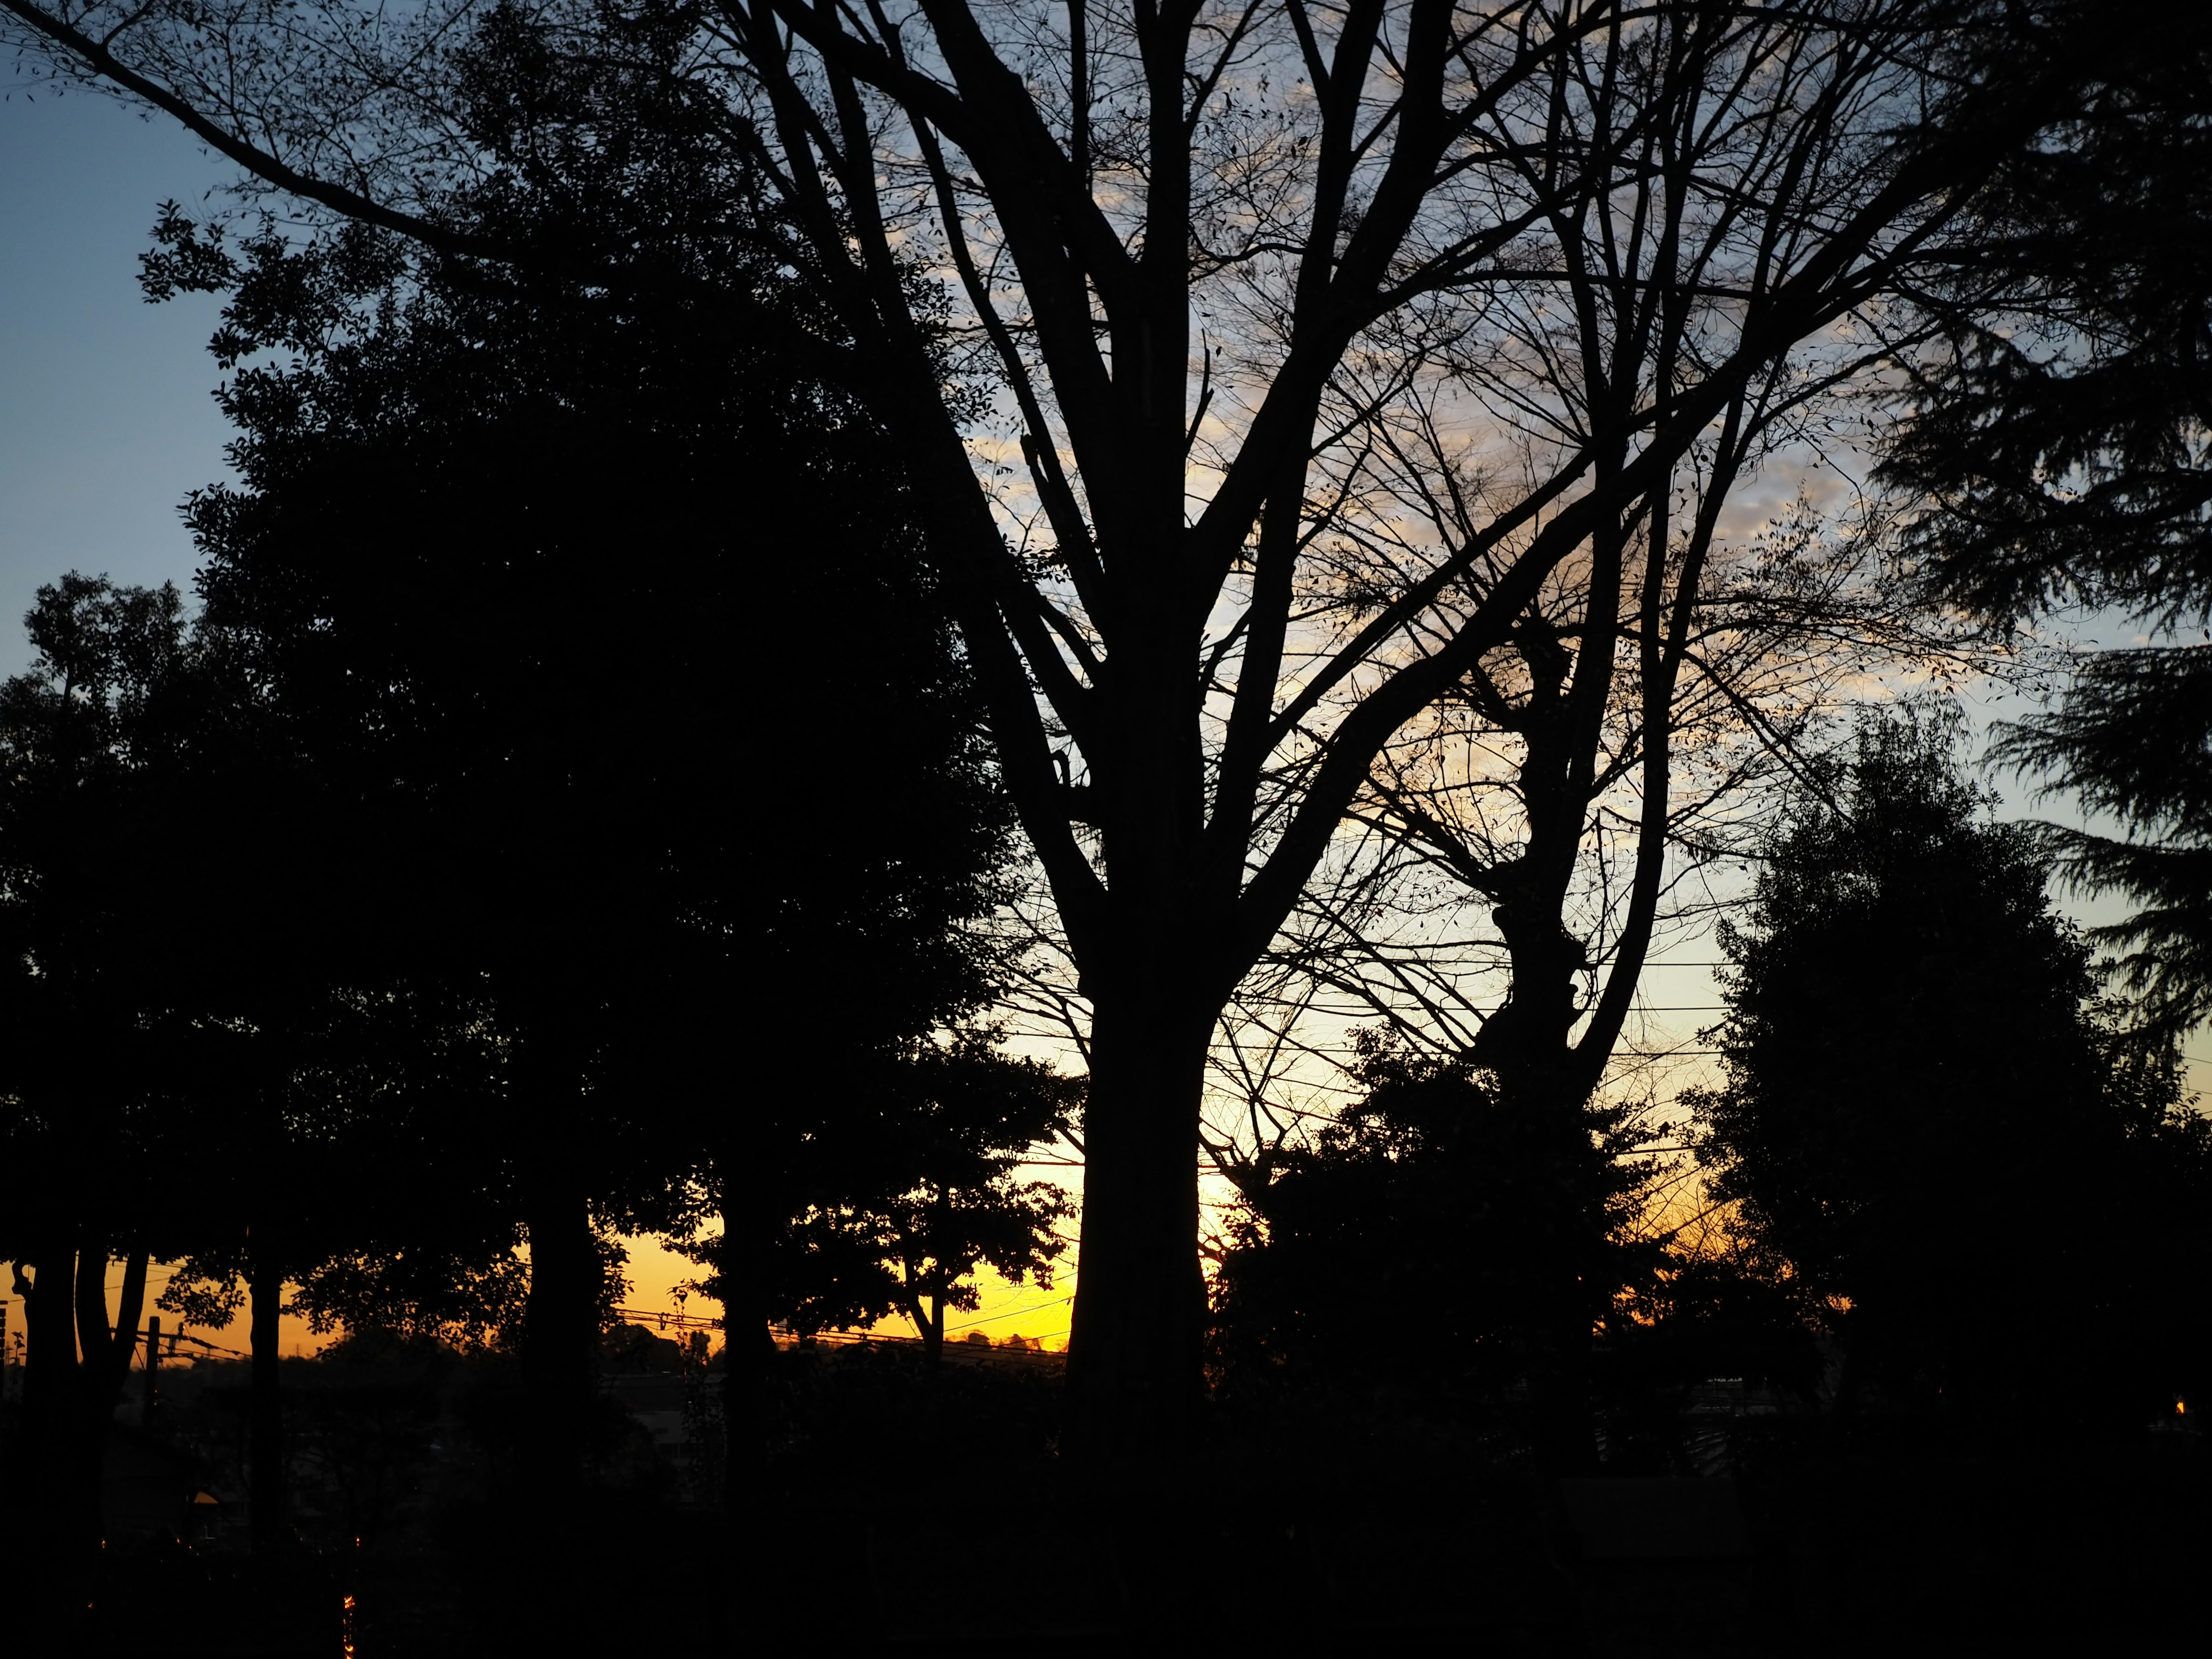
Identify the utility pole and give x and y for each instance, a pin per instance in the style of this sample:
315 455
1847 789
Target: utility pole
153 1359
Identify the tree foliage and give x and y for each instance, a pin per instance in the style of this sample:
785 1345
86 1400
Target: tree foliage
1369 389
2060 441
525 848
515 549
899 1217
1925 1116
1424 1237
114 985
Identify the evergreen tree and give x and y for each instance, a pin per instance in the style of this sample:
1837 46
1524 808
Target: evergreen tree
1924 1114
1423 1239
2062 442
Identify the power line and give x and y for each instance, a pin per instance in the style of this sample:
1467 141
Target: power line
1056 1302
683 1321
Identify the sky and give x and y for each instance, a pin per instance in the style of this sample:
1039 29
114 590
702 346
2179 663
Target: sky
107 415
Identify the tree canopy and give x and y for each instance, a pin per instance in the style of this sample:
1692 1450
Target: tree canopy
1355 406
1926 1113
2059 439
531 864
1422 1238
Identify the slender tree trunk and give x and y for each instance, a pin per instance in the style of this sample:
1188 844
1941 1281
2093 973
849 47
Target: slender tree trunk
112 1370
85 1404
560 1323
1843 1406
68 1402
932 1326
747 1348
560 1326
757 1611
267 1500
45 1561
49 1359
105 1350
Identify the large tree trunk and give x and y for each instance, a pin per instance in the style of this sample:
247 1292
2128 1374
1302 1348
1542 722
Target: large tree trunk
1136 1346
559 1334
748 1350
1136 1350
1526 1045
1538 1084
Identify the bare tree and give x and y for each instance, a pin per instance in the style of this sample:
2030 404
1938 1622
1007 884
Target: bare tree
1365 379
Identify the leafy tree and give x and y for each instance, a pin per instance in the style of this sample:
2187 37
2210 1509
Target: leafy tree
512 560
146 1007
1408 1257
2060 434
2061 443
180 1088
1378 372
1707 1309
1922 1113
900 1216
1422 1239
2129 738
81 736
352 1149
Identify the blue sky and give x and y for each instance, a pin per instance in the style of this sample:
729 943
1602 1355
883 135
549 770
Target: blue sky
106 418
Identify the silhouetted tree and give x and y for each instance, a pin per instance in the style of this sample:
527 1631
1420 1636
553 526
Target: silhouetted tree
2060 441
170 1093
896 1213
2131 737
90 1124
513 559
1351 272
351 1140
1705 1310
1924 1114
1422 1240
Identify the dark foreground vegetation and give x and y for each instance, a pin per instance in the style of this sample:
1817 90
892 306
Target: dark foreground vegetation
767 538
914 1507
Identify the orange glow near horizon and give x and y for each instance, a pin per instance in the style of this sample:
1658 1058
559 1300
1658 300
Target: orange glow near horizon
656 1273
